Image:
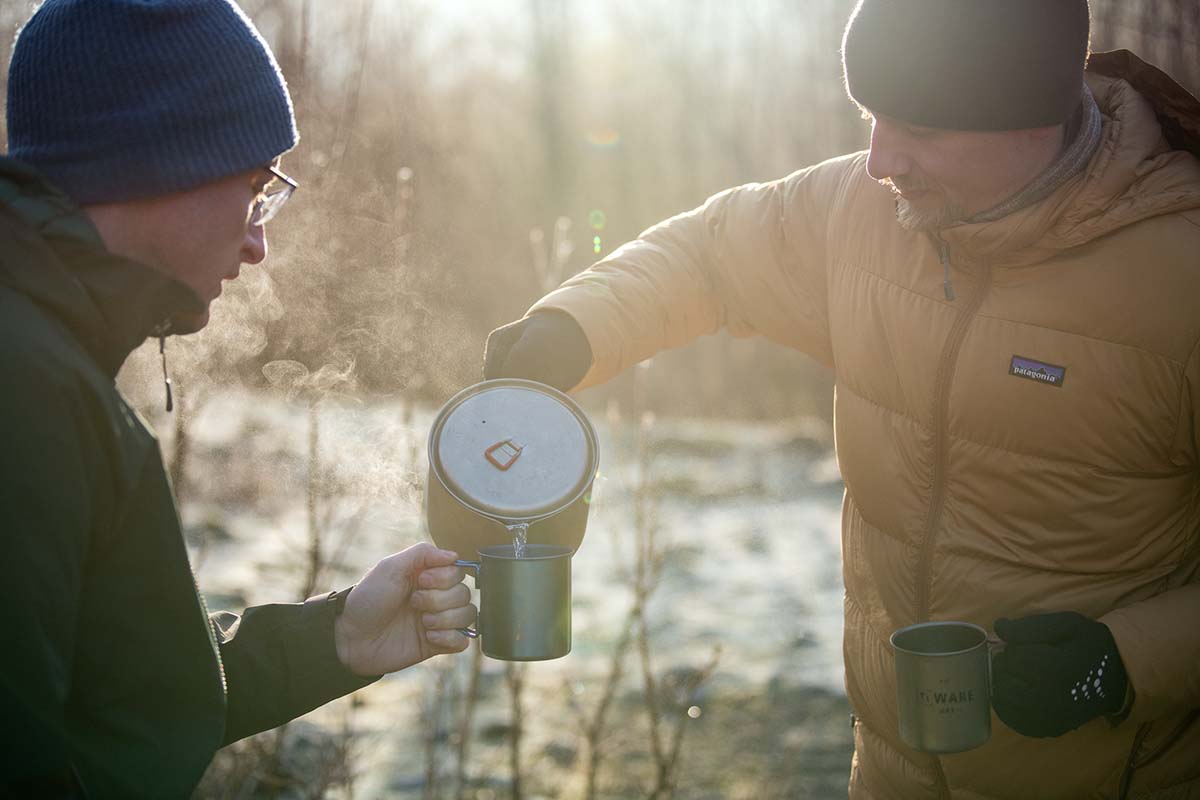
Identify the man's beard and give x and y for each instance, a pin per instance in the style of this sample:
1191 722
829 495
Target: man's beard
912 218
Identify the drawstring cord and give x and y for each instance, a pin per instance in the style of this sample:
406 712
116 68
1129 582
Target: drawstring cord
162 350
161 330
947 286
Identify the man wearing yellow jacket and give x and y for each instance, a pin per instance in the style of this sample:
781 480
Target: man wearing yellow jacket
1007 289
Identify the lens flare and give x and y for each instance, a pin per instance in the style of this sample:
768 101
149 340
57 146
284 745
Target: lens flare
603 138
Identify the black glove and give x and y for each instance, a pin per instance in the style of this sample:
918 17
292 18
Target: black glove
547 346
1057 671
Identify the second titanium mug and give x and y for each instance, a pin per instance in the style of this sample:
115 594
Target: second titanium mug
943 686
524 603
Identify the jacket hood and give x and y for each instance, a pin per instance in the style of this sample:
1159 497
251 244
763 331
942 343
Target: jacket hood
55 256
1146 165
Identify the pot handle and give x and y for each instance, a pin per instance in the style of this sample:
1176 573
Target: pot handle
470 633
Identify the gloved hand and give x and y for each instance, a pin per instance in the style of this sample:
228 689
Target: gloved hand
547 346
1057 671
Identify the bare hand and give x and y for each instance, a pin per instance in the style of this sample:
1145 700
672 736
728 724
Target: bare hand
405 609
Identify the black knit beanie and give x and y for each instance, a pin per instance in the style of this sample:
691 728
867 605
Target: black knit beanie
981 65
126 99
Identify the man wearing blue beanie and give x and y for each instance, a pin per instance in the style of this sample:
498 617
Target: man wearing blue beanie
143 163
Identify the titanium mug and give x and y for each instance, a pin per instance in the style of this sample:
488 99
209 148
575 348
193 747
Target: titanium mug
524 603
943 686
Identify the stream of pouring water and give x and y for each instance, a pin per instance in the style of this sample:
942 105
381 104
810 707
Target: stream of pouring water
520 532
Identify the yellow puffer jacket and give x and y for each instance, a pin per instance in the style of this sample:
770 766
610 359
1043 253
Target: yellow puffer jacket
973 493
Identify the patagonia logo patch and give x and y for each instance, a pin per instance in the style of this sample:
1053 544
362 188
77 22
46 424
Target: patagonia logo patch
1049 374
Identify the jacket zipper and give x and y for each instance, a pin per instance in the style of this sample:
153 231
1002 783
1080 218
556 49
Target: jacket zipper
940 775
1132 762
1139 759
945 377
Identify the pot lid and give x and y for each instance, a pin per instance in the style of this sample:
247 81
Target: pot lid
513 450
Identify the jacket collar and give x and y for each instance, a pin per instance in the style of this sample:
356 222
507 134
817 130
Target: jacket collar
1138 171
55 256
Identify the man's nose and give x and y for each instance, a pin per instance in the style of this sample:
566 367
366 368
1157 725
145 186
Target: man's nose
254 246
886 158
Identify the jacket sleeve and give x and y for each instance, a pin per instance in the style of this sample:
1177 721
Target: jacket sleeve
1159 638
279 662
751 260
1159 642
48 475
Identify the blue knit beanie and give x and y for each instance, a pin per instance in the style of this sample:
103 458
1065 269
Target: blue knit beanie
126 99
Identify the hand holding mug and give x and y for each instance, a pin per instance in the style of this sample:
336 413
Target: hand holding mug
1057 672
1046 675
407 608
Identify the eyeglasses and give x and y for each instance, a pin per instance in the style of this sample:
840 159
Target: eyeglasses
272 197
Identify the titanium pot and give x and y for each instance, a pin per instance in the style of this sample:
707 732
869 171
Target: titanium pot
504 455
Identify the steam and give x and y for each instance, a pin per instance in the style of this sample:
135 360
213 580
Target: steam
294 380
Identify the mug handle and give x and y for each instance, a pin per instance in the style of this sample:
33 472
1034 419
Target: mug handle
994 645
470 633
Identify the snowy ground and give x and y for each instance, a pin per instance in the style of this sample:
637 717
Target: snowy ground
747 516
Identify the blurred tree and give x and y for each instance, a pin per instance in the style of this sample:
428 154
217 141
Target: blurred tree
437 136
1163 32
551 74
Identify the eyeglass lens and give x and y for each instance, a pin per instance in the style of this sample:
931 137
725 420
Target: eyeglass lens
269 204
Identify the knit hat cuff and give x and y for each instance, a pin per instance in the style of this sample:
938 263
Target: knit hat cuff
193 159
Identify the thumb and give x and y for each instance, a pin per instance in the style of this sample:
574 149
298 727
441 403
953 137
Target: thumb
499 344
1040 628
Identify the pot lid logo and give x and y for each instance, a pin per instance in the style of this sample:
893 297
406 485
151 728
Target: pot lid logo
503 454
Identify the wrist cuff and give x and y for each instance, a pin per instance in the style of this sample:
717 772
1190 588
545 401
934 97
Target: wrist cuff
1122 714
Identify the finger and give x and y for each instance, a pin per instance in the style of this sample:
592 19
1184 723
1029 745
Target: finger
522 356
1023 709
418 557
458 617
1010 690
450 641
1028 662
1040 628
497 347
434 600
1014 714
440 577
1028 719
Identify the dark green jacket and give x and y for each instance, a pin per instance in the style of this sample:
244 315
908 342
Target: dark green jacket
113 679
